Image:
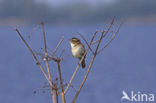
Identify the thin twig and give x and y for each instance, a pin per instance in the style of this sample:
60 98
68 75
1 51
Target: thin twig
86 42
57 47
47 64
77 93
45 50
61 82
102 34
56 93
34 56
61 53
110 26
111 39
78 65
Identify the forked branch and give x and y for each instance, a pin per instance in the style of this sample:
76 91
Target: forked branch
77 93
106 32
54 88
53 53
34 56
111 39
97 51
78 65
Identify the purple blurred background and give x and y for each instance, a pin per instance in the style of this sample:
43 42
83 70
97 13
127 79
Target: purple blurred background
128 63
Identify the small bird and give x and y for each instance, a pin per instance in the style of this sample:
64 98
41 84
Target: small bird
78 50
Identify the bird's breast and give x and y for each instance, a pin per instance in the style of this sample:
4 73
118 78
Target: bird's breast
77 51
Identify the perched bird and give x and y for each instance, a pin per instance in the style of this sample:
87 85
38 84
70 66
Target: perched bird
78 50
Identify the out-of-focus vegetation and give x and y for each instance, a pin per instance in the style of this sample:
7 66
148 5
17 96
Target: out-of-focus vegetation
29 11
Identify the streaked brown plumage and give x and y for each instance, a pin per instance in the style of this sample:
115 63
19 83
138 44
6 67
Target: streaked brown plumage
77 49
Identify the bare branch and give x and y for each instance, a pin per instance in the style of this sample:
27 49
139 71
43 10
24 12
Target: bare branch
86 42
96 52
84 79
47 64
102 34
61 82
56 93
111 39
55 90
34 56
45 50
78 65
61 53
110 26
57 46
77 93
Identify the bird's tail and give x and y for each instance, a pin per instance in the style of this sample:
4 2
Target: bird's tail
83 64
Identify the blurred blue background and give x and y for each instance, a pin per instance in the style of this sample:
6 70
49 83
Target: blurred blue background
128 63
